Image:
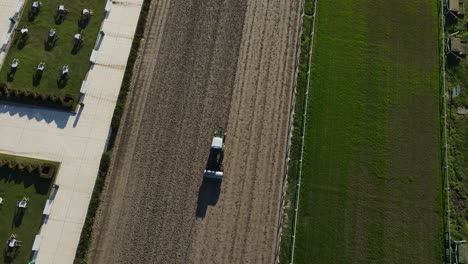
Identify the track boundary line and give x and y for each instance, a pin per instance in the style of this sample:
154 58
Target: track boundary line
445 147
284 185
298 192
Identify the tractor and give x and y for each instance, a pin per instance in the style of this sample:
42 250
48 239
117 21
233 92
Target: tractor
214 167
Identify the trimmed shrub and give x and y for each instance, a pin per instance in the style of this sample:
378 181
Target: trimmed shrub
44 97
11 164
35 98
4 88
17 93
20 166
27 95
47 171
29 168
66 101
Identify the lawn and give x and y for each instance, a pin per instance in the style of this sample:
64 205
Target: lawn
14 185
372 185
35 50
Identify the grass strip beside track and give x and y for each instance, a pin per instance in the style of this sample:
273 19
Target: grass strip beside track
296 142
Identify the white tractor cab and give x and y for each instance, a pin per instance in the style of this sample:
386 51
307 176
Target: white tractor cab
214 167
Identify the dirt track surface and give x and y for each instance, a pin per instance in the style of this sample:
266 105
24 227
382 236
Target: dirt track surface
204 64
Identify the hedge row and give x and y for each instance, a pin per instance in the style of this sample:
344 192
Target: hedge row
63 102
86 233
46 170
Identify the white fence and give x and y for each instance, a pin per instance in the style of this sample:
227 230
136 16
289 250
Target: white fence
293 104
445 94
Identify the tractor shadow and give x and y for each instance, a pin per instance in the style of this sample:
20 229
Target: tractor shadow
208 194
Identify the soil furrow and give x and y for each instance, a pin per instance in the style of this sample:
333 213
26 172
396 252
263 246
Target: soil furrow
203 64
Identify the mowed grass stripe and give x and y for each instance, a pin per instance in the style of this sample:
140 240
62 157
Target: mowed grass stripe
371 178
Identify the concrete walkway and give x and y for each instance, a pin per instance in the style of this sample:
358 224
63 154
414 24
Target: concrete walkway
77 141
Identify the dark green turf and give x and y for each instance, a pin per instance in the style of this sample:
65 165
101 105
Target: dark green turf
15 185
371 189
34 51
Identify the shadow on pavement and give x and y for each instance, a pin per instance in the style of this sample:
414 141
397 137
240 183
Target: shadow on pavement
60 118
77 117
208 194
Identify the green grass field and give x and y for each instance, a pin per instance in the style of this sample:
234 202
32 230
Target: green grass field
15 185
372 186
35 51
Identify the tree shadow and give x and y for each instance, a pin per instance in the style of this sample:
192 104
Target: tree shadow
9 254
452 60
21 44
50 44
32 14
11 74
18 217
60 17
76 48
36 79
83 21
28 179
208 194
62 82
450 19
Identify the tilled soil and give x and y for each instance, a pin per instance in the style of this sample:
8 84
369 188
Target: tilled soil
203 64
